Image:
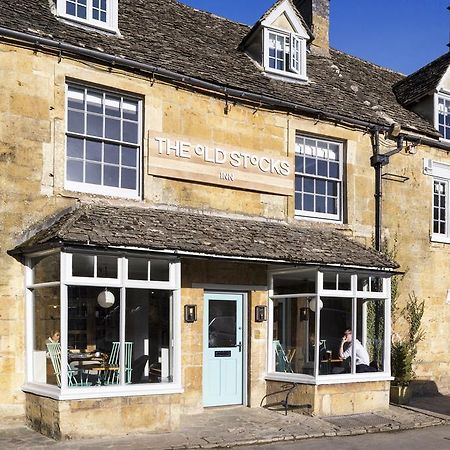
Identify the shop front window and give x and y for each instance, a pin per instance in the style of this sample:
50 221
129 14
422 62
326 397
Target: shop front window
115 331
328 324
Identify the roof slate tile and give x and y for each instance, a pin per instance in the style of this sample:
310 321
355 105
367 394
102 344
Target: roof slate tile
173 36
205 234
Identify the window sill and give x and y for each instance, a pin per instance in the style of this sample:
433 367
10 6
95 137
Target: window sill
329 379
285 75
45 390
300 216
440 239
93 189
94 25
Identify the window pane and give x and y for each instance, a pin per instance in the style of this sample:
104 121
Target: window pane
128 180
112 153
75 122
335 318
112 106
138 269
74 170
106 266
47 358
308 204
95 125
222 324
129 156
302 282
75 98
293 336
344 281
93 150
147 322
320 204
371 312
82 265
329 280
111 176
310 166
46 268
94 102
93 173
112 128
159 270
130 110
334 170
130 132
299 163
93 336
75 147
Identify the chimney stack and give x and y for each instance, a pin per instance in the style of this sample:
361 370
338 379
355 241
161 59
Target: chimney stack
317 15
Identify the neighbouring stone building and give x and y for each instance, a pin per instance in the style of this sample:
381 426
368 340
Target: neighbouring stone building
188 208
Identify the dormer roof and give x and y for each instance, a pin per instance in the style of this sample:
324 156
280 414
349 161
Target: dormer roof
423 82
278 8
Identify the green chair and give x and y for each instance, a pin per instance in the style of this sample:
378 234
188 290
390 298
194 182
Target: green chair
54 351
283 363
113 376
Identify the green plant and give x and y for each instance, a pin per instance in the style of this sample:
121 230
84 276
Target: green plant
404 351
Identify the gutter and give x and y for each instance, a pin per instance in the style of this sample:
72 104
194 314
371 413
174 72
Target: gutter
196 82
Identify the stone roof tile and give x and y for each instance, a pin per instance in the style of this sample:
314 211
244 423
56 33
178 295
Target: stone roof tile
422 82
187 232
170 35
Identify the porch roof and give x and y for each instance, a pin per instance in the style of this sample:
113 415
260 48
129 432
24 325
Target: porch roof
188 232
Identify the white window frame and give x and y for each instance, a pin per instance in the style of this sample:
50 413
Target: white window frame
354 294
289 67
95 188
112 12
313 215
440 172
445 96
122 390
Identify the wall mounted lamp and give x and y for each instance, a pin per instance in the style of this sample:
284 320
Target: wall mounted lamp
260 313
190 313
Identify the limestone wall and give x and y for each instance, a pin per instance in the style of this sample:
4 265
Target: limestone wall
32 143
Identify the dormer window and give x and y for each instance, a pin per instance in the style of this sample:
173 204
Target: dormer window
283 52
277 43
443 115
97 13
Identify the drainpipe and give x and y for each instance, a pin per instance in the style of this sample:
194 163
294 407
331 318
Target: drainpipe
377 161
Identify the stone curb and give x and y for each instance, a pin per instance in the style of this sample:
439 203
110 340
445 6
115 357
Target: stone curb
343 432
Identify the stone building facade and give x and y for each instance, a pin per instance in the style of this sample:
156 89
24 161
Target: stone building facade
191 207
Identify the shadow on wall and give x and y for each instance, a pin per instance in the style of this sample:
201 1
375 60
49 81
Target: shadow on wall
426 396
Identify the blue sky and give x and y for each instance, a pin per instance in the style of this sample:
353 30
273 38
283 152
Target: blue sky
403 35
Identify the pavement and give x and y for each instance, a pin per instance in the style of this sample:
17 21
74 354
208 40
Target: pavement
240 426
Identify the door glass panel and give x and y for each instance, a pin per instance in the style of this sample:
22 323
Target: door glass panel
222 323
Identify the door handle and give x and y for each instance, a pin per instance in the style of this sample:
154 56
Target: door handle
240 346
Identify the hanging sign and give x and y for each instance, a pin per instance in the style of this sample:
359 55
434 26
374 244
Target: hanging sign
220 165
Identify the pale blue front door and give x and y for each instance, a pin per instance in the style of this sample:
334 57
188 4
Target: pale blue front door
222 349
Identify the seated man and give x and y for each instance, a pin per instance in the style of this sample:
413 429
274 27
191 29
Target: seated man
361 355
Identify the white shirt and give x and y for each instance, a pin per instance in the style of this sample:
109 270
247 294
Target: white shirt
361 355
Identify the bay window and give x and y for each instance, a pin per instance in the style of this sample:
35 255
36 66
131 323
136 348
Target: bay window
312 310
102 324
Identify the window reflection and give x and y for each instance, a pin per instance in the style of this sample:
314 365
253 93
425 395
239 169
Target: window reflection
93 336
147 321
293 336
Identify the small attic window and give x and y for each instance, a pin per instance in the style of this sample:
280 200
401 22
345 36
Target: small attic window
284 53
97 13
